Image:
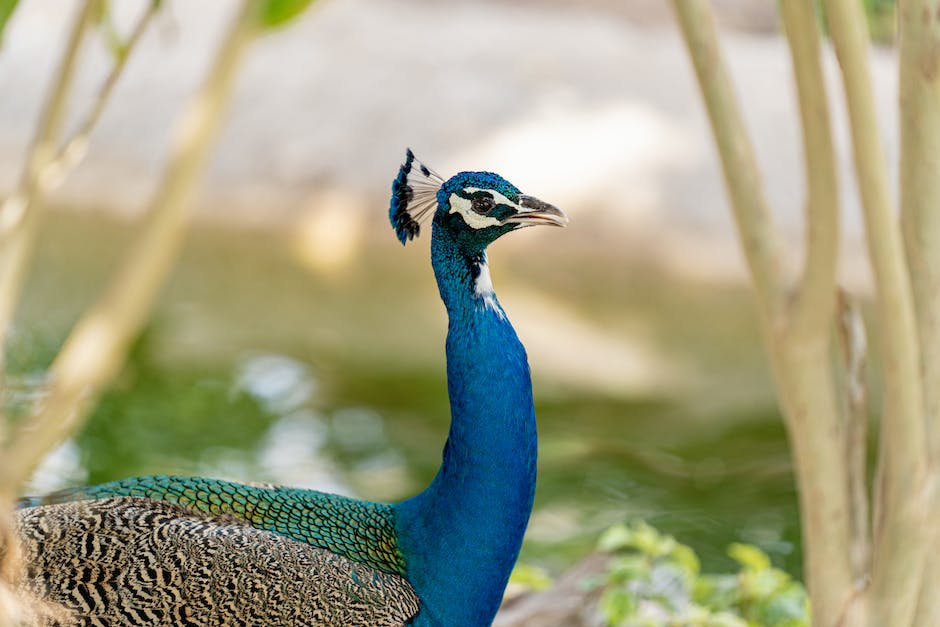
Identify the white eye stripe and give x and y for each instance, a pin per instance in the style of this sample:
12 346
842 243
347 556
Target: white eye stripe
498 198
473 219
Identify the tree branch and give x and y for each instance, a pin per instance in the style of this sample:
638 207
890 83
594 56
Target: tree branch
742 178
806 386
17 232
919 47
901 532
815 303
798 337
95 350
919 43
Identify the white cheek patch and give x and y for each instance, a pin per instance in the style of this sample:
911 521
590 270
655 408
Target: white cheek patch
472 218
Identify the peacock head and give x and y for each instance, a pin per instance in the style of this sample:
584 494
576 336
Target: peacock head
473 208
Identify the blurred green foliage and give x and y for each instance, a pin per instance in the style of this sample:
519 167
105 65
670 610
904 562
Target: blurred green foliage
882 22
529 577
275 13
157 420
880 14
6 11
653 580
113 39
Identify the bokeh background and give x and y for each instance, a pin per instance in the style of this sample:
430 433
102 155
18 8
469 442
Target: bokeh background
299 343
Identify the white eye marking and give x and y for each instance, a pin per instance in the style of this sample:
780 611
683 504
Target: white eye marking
472 218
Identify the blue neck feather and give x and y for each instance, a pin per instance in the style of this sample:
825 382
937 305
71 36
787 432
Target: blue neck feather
462 535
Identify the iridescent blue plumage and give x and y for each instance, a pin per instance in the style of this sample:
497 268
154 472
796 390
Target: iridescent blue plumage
442 557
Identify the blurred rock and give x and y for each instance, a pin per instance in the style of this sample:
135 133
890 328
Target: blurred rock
569 602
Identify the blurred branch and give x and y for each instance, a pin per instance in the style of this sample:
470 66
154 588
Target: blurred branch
17 231
798 337
73 150
742 178
901 533
920 189
815 303
18 213
95 351
806 386
928 601
919 48
807 378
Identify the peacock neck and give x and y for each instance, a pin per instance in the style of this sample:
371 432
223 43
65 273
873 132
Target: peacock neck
461 536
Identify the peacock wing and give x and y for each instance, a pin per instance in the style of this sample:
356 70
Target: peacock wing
133 561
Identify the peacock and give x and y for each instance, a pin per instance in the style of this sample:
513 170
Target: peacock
169 550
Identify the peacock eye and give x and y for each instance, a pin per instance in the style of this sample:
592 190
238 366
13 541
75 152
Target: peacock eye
482 204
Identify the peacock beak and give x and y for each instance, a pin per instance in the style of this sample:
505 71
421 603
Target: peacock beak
534 212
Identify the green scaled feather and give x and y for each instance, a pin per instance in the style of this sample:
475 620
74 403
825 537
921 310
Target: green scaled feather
359 530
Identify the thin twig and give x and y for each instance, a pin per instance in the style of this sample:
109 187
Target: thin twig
95 351
19 212
73 150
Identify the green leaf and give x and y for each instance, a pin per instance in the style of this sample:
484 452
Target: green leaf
767 583
628 568
649 541
617 605
274 13
717 592
615 538
749 556
687 560
116 45
786 609
6 11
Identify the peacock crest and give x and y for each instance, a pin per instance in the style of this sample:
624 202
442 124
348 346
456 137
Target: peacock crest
414 197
